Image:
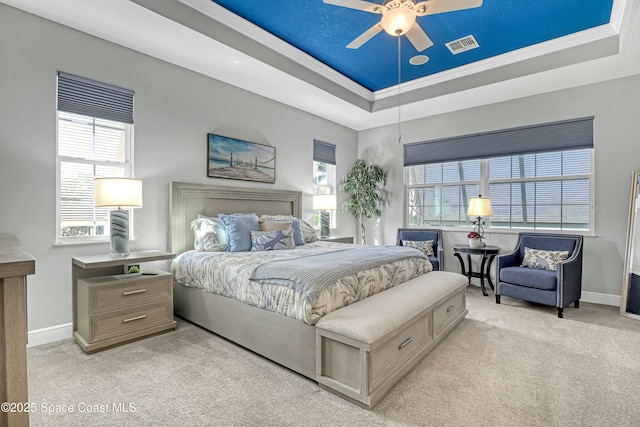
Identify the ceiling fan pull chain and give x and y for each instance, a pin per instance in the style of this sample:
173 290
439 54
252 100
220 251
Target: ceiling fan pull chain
399 91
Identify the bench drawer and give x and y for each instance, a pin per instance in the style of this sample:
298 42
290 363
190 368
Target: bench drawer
385 359
448 311
364 349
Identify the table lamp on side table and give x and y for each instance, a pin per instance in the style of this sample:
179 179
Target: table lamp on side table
324 203
479 207
118 193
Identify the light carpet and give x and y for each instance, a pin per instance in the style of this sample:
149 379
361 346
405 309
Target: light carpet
514 364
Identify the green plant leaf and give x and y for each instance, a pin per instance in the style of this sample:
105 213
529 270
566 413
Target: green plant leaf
365 186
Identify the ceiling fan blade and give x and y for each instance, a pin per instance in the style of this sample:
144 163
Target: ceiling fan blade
356 4
365 37
418 38
431 7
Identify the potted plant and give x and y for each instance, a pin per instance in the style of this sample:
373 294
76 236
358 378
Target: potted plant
475 239
365 186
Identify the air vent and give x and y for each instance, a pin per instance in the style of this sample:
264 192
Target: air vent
462 45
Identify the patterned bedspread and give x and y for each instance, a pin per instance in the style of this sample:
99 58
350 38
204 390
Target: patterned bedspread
228 274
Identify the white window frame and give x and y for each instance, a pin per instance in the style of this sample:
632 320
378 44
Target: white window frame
331 188
483 185
441 185
127 164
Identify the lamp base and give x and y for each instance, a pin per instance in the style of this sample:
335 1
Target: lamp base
478 226
119 232
324 224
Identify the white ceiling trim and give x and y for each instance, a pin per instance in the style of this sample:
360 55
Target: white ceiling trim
135 27
222 15
530 52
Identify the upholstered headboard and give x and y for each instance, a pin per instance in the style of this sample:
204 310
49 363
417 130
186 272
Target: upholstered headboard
187 200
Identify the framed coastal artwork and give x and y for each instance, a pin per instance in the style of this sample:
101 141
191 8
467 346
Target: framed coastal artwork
235 159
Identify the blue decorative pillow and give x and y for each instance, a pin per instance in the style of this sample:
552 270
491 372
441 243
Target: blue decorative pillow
272 240
239 227
298 237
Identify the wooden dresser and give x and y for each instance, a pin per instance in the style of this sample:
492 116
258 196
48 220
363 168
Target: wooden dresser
15 264
112 308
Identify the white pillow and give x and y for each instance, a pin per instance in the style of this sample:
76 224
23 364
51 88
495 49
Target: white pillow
210 234
308 232
543 260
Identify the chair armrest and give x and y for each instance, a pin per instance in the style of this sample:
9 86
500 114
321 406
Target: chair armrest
440 256
569 276
507 260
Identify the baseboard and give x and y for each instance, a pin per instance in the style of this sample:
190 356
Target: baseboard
598 298
65 331
50 334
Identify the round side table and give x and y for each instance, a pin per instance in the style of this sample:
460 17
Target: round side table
488 254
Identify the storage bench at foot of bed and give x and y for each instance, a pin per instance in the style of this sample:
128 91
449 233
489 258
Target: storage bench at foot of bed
364 349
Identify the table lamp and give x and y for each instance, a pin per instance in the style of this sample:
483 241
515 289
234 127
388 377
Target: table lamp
479 207
324 203
118 193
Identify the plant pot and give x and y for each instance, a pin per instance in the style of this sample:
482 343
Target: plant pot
475 243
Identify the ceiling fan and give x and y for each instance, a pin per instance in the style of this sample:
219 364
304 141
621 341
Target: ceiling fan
399 17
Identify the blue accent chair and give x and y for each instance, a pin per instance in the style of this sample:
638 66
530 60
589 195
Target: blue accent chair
423 234
555 288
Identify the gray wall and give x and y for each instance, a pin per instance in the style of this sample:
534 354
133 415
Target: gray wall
174 110
615 105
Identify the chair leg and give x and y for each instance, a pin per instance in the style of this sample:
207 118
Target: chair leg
497 299
560 312
576 304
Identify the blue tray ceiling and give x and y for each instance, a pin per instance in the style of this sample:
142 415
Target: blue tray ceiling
499 26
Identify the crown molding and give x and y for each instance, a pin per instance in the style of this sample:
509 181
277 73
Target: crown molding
536 51
246 28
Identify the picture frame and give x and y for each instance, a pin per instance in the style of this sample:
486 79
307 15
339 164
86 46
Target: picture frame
231 158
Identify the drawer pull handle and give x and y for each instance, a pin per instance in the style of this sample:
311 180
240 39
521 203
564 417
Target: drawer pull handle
134 318
138 291
406 343
451 307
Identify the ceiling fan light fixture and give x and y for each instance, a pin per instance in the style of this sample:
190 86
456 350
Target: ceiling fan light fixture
397 22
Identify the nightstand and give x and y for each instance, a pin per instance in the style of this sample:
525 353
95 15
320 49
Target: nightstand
111 308
337 239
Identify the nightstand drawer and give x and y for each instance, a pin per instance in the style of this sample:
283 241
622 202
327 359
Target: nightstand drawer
124 322
108 294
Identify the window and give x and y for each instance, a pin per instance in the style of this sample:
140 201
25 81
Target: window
438 193
89 146
542 191
538 177
324 176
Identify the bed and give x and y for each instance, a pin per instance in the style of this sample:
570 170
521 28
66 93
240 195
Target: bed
288 339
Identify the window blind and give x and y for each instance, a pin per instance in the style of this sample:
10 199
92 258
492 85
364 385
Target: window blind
554 136
91 98
324 152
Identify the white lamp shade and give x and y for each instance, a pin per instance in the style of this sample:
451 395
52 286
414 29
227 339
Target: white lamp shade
117 192
479 206
325 202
